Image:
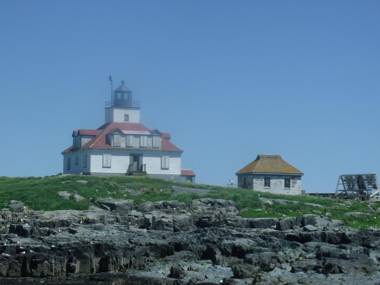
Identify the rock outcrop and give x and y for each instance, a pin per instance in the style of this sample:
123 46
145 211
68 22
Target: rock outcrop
206 242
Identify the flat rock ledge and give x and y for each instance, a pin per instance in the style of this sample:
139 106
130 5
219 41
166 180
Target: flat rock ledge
171 243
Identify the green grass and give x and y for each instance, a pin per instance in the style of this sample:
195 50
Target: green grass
41 193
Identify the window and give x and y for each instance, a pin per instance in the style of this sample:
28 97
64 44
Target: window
84 140
117 139
126 118
165 162
136 141
84 161
133 141
287 182
68 163
244 182
156 141
144 141
107 160
267 182
129 141
149 141
77 160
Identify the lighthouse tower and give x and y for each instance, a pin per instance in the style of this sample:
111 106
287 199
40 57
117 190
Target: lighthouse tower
122 108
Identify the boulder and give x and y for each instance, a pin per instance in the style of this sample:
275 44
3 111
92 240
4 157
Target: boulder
182 223
262 223
22 230
16 206
177 272
110 204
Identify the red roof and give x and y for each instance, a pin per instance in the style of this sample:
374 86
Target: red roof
167 145
124 127
83 132
88 132
100 139
187 172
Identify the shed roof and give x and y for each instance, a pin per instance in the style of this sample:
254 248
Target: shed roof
187 172
269 164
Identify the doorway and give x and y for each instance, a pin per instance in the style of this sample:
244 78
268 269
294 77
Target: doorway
136 164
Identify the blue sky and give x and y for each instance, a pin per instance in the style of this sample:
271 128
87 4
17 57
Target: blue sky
228 80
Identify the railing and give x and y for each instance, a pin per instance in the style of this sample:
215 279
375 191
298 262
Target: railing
136 168
123 104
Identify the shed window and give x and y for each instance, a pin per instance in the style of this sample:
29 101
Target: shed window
244 182
267 182
287 182
107 160
165 162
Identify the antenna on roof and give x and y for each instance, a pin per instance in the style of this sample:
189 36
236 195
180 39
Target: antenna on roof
111 85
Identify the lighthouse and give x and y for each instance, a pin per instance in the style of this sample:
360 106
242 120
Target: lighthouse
122 107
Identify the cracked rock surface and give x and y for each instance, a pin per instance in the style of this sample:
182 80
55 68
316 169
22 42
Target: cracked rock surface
206 242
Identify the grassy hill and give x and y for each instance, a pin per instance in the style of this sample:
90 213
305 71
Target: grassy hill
45 193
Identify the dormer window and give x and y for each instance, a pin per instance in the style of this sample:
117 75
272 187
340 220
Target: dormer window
129 141
144 141
156 142
117 140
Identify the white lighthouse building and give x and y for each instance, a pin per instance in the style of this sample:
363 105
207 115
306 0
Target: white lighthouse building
124 146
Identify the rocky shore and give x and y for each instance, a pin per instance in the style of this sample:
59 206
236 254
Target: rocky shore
171 243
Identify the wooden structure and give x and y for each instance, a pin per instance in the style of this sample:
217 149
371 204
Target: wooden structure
356 186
